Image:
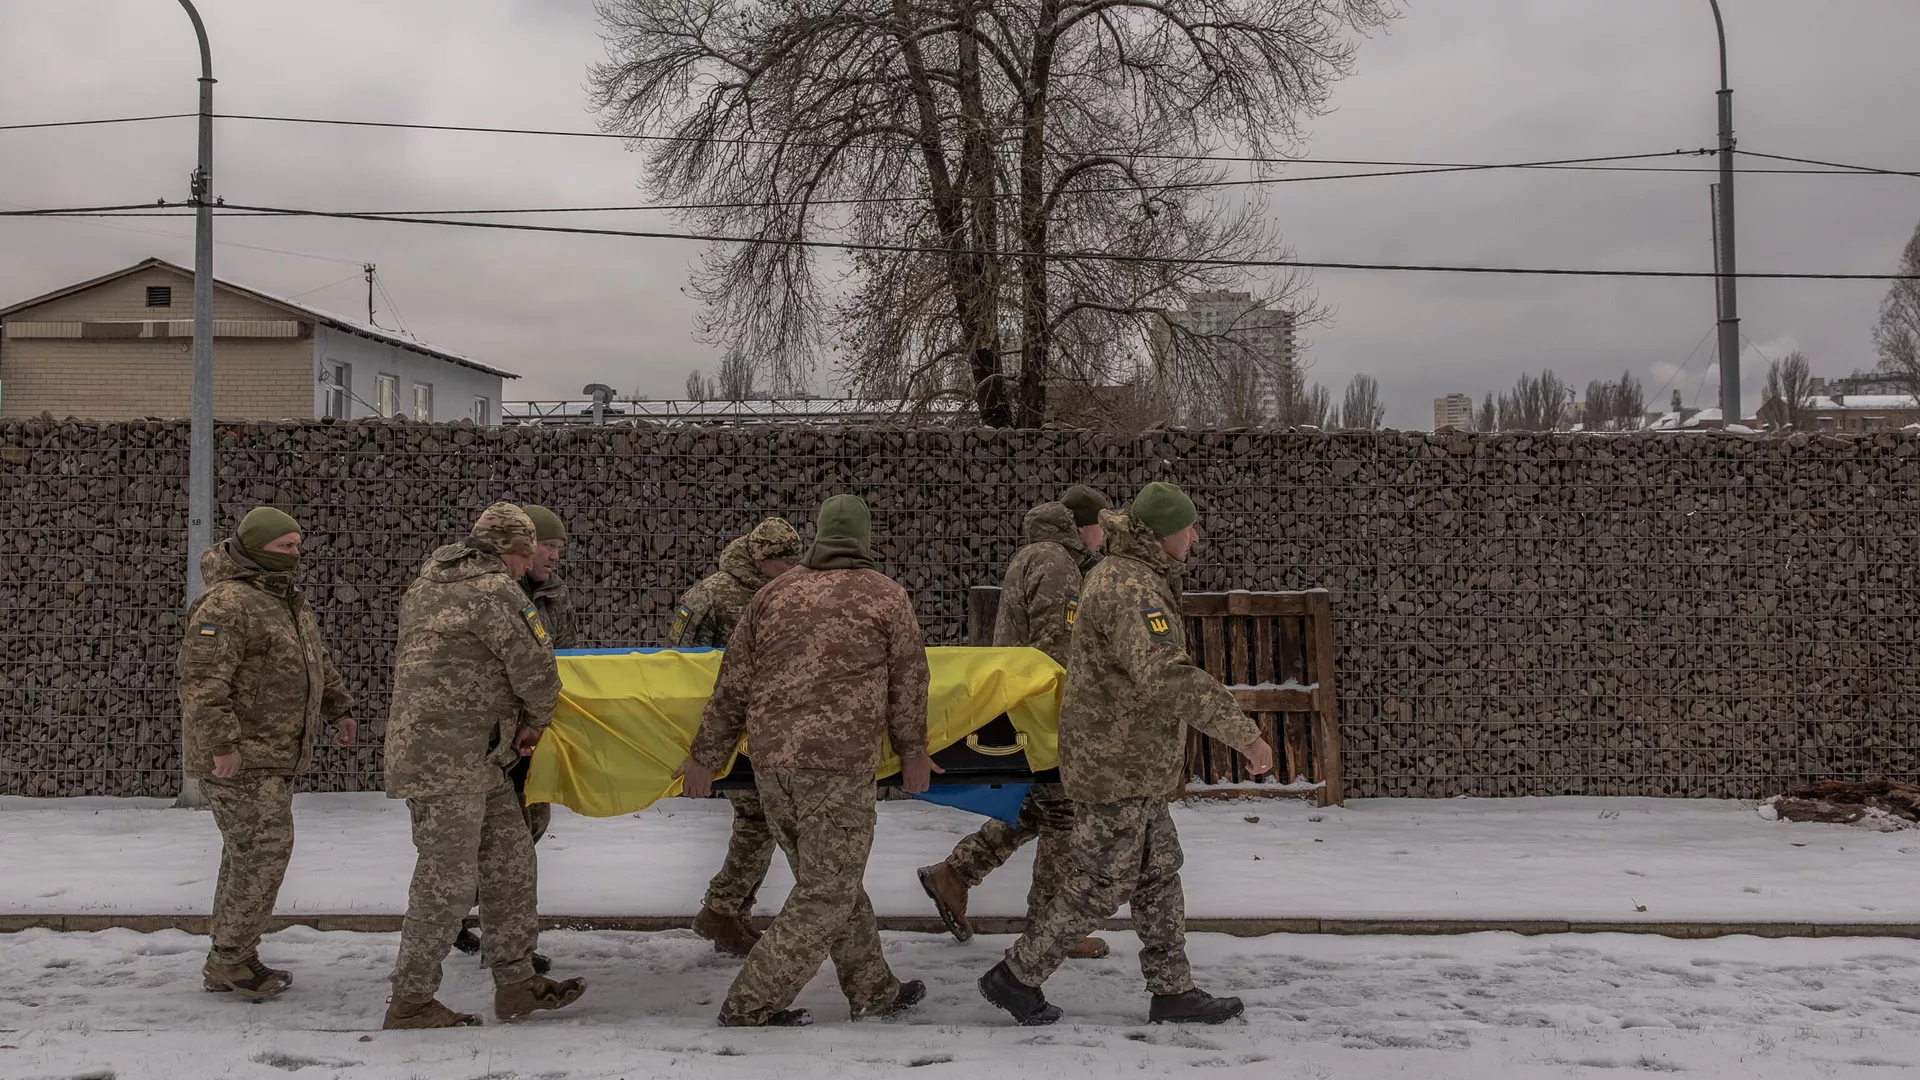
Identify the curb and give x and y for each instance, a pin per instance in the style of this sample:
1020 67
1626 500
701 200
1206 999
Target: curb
1250 927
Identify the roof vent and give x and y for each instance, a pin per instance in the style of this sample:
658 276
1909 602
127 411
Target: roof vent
159 296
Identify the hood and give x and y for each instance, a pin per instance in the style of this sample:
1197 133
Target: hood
1052 523
458 562
553 586
225 561
737 562
1130 538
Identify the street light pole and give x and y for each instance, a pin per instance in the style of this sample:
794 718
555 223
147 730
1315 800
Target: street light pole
1730 411
200 454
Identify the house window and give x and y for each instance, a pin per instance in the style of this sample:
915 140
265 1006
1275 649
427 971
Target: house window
482 411
159 296
422 402
338 380
386 395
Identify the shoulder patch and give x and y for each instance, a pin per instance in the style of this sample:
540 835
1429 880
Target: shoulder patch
207 630
1157 622
532 615
1073 609
680 616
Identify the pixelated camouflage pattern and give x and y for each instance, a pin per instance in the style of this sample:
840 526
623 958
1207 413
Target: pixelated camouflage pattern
1122 852
1132 688
823 663
254 674
504 529
554 601
472 664
823 822
1039 594
708 612
469 847
734 889
254 812
1046 814
775 538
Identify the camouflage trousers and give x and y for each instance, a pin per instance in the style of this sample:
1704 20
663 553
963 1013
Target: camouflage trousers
1047 814
749 852
1124 852
255 816
823 822
539 815
469 847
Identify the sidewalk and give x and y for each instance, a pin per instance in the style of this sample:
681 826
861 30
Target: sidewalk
1691 868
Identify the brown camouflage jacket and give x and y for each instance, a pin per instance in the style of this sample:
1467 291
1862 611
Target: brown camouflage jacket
823 663
708 612
554 601
1041 591
254 675
1132 687
472 664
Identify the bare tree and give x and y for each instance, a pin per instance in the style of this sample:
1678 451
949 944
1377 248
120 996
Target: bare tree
1629 403
699 388
977 154
1488 418
1361 409
1535 403
736 378
1897 333
1789 392
1598 408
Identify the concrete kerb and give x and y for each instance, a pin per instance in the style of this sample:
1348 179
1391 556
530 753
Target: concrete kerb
1235 927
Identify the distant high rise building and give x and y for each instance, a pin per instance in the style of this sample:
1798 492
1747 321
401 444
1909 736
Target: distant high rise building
1244 332
1454 411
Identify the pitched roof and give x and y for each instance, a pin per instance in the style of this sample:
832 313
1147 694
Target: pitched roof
328 318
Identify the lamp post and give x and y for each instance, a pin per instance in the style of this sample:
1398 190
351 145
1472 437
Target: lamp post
200 453
1729 307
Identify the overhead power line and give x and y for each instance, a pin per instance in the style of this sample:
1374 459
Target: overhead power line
94 123
1861 169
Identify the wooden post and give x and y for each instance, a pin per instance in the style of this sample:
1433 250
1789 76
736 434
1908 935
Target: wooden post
1326 716
983 606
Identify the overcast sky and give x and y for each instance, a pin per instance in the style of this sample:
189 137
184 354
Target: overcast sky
1455 80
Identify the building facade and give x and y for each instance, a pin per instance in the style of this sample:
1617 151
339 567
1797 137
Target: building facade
120 347
1244 332
1453 411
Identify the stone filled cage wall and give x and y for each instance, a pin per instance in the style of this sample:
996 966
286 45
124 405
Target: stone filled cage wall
1697 615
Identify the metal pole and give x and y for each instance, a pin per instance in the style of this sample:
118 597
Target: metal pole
200 456
1729 315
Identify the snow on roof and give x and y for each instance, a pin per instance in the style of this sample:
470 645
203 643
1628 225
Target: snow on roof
1864 401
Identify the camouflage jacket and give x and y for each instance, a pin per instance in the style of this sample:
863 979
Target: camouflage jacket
554 601
254 675
708 612
823 663
1132 687
1041 591
472 664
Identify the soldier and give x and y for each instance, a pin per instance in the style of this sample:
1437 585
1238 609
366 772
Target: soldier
1038 599
256 684
555 605
1132 690
825 661
474 687
705 618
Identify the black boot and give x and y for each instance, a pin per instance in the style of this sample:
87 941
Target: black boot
541 965
1196 1006
468 942
785 1018
1027 1004
912 992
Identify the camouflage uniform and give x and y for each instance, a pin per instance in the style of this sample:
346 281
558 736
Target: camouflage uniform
705 618
1132 690
254 678
554 603
1038 599
826 660
472 665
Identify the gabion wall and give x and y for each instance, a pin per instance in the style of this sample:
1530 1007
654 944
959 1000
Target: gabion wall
1516 615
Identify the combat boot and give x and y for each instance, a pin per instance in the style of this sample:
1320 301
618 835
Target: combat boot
1088 948
1196 1006
1027 1004
785 1018
912 992
537 994
467 942
250 979
730 936
948 891
426 1015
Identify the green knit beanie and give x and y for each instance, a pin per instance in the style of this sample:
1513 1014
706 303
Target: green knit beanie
263 525
1163 508
1085 503
546 523
844 517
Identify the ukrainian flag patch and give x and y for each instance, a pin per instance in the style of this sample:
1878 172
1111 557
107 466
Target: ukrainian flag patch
1073 609
680 616
532 615
207 630
1157 622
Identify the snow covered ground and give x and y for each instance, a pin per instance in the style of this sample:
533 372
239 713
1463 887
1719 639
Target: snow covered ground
127 1006
1573 858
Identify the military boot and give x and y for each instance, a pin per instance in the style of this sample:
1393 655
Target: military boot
249 979
912 992
1088 948
537 994
1196 1006
948 891
467 942
425 1015
731 936
785 1018
1027 1004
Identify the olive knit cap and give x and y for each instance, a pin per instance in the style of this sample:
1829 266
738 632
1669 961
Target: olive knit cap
546 523
844 517
263 525
504 529
1163 508
774 538
1085 503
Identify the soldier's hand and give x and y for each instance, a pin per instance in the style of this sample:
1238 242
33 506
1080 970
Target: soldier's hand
696 780
349 732
226 766
916 774
527 739
1259 757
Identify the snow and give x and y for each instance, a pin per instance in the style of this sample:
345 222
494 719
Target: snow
1290 684
1562 858
128 1006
